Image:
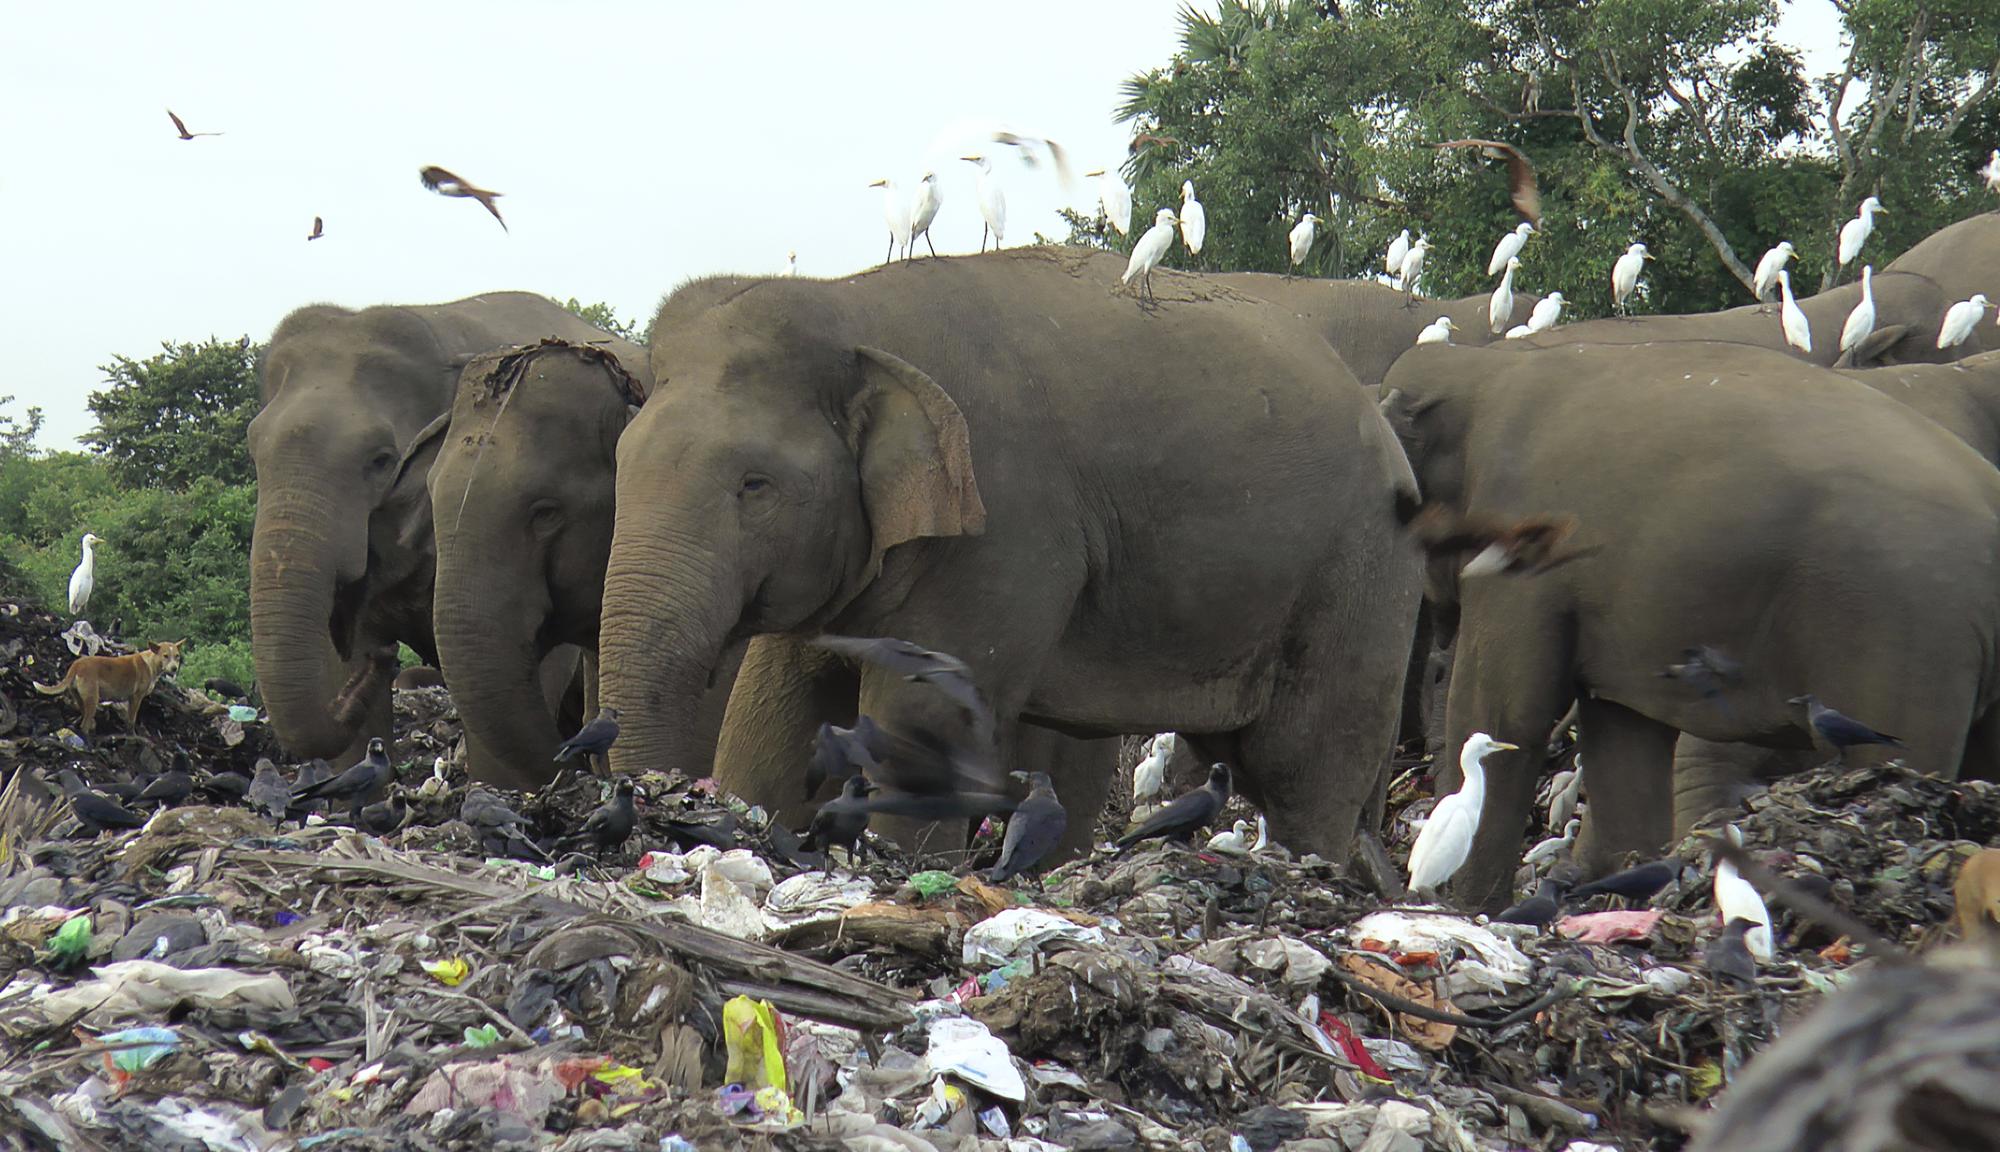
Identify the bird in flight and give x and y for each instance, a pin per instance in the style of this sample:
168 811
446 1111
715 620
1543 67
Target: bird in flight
445 184
1520 175
183 128
319 229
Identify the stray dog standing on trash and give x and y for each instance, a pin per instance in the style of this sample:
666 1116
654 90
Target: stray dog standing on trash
129 678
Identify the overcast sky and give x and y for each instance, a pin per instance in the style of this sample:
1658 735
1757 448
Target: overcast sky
636 143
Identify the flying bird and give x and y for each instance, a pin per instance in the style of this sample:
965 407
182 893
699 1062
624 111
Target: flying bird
1509 247
1728 956
1114 198
1854 234
1736 899
319 229
361 779
445 184
1707 670
918 665
83 581
1398 249
1840 730
594 738
1768 267
1554 846
1194 219
1446 838
1182 817
182 129
1033 831
1637 884
1029 143
922 212
1437 331
896 214
1960 319
1500 310
1625 274
1150 773
1151 140
1302 238
992 201
1521 186
1547 311
1860 322
1798 330
1530 545
1150 250
837 755
929 775
610 824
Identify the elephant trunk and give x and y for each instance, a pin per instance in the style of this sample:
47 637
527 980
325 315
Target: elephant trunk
491 656
293 574
670 606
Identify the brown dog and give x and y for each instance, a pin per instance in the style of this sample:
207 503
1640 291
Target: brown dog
129 678
1978 893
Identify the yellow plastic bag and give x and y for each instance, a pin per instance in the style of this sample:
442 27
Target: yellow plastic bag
753 1039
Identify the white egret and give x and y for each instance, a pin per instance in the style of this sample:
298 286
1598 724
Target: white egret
1547 311
1625 274
1263 835
1398 248
896 214
1234 842
1509 247
1302 238
1413 267
1798 331
1735 899
1150 773
1961 318
1500 310
1991 173
1554 846
1855 232
1115 199
84 579
1194 219
1860 322
992 201
1518 331
923 211
1437 331
1446 839
1563 792
1151 249
791 264
1767 268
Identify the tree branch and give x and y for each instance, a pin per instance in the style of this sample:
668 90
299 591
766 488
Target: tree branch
1966 105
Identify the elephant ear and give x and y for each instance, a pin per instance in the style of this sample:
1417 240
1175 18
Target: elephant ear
407 507
915 456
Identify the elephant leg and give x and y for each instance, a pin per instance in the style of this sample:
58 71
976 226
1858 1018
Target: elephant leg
1632 807
1982 749
1081 771
1416 680
1711 777
784 690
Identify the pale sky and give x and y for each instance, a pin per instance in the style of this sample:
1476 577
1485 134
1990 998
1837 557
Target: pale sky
636 143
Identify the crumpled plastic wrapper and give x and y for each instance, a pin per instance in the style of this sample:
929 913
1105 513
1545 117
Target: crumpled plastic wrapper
145 988
1017 932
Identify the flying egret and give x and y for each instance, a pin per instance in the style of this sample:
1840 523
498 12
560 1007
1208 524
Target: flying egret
1500 310
1735 899
1961 318
84 579
1194 219
1150 773
896 214
1798 332
1302 238
992 201
1767 268
1554 846
1991 173
1860 322
1028 142
1855 232
1509 247
925 210
1398 248
1518 331
1437 331
1115 199
1412 267
1446 839
1546 313
1625 274
791 264
1151 249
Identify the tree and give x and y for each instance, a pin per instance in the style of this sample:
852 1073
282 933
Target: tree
173 418
1680 123
602 315
17 436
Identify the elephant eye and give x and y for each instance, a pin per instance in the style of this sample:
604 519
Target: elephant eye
381 462
545 519
755 484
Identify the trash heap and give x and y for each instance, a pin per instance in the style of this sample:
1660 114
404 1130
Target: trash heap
215 981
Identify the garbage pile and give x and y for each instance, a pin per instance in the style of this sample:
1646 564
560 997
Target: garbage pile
220 980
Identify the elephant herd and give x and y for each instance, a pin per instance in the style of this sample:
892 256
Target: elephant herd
1129 519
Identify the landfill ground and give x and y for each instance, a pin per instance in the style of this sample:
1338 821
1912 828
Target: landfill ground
213 981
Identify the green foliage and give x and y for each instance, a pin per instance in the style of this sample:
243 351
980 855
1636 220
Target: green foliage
602 315
181 415
230 659
17 436
1649 120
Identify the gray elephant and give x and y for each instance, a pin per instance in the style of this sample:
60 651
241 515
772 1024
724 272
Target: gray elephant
1369 324
1126 519
1908 310
1825 537
341 558
1962 258
1963 397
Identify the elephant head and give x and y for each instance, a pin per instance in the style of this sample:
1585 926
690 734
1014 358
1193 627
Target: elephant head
1962 259
521 496
758 491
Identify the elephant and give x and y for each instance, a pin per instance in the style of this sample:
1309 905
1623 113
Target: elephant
341 555
1123 517
1826 537
1963 397
1368 323
1908 310
1962 259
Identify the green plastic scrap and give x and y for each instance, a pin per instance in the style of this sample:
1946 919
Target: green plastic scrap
484 1036
137 1049
929 884
71 940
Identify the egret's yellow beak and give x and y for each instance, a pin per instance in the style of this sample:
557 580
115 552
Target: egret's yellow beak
1503 746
